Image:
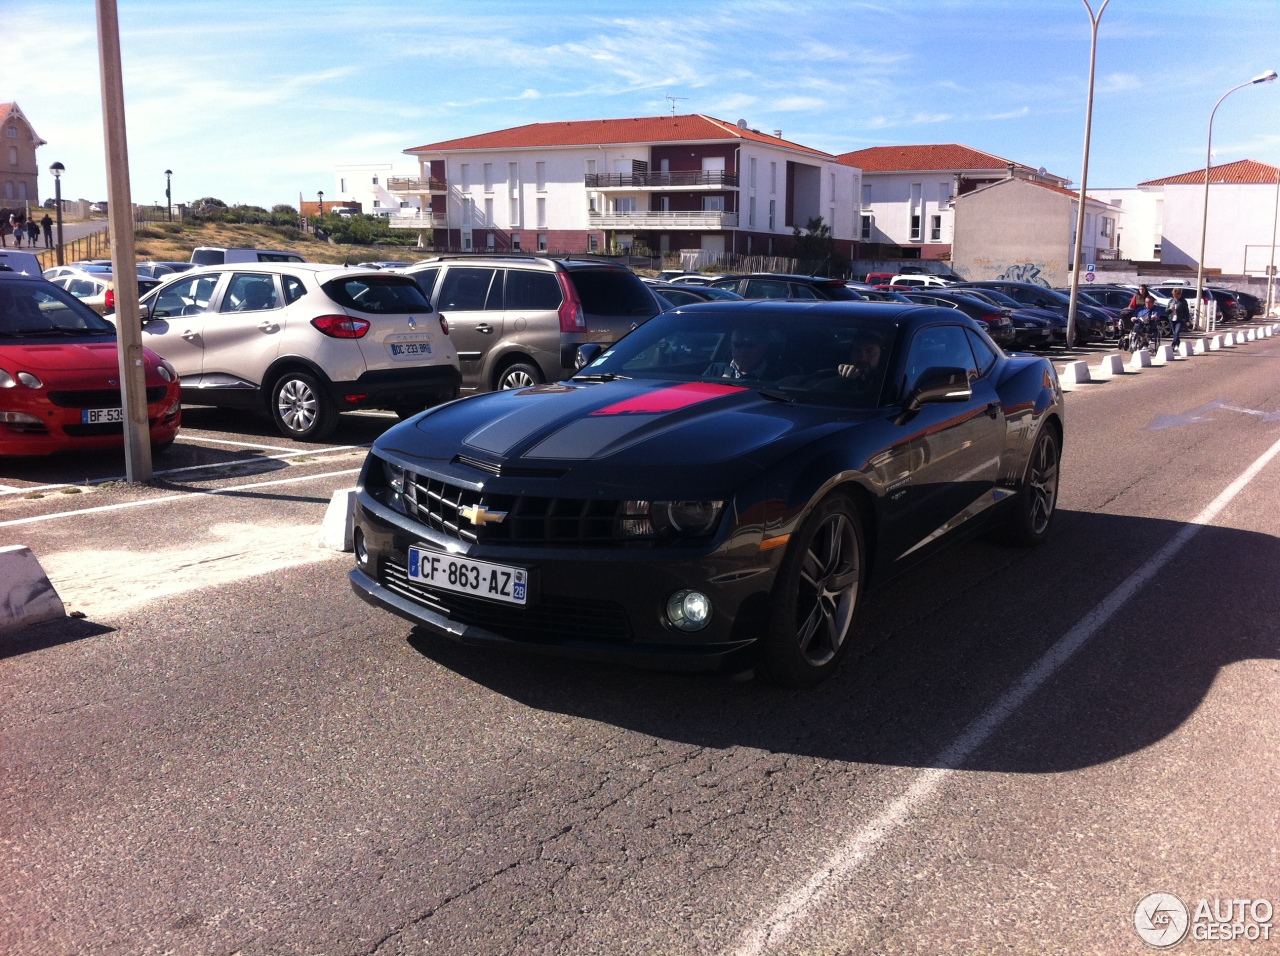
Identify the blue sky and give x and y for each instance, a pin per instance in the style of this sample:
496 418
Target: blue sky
255 102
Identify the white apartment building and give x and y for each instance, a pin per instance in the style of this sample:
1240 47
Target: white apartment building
907 193
664 183
1141 213
366 184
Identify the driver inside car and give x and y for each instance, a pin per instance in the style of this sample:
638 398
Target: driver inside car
748 357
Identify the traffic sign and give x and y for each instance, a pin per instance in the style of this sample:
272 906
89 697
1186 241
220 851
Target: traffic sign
1091 268
1089 277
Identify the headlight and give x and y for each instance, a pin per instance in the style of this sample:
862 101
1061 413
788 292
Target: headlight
163 371
686 519
6 380
689 610
398 488
29 380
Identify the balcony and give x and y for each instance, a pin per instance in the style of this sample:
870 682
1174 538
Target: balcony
663 220
415 219
704 178
404 184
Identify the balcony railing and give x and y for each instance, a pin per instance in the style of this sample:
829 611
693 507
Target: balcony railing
404 184
418 220
711 178
664 220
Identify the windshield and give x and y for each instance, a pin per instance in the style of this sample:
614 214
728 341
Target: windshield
32 309
829 360
378 293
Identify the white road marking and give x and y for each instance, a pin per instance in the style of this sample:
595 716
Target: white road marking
801 902
5 488
186 496
249 444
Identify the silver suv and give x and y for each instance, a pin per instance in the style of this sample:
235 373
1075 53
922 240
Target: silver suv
301 341
518 320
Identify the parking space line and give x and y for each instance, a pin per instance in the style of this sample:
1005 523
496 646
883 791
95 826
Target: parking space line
801 902
185 496
185 439
7 488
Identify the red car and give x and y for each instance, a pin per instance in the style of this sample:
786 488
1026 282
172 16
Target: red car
59 377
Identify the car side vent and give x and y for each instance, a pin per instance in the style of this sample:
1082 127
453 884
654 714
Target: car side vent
507 471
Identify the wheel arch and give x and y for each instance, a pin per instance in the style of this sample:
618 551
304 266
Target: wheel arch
516 356
290 363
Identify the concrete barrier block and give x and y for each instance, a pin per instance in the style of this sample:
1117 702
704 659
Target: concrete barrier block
1140 359
26 594
1215 344
339 521
1110 366
1251 336
1229 340
1186 349
1075 373
1163 355
1199 346
1265 331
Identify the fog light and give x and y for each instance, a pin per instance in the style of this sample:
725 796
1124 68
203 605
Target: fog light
689 610
19 418
362 549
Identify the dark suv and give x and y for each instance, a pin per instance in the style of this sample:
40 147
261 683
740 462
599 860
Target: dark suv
518 320
770 286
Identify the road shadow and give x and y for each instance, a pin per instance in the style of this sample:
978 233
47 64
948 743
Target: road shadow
38 637
939 646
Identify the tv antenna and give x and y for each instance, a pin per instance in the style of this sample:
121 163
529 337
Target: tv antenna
673 103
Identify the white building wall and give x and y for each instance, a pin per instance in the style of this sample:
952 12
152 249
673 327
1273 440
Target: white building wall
366 183
1139 221
1240 224
890 206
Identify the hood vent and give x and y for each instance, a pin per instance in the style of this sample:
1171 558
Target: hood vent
505 470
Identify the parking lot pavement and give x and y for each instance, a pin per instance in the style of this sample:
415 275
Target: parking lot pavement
264 764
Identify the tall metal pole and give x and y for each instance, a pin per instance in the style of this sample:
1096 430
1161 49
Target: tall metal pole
1271 269
124 268
57 170
1084 175
168 193
1201 311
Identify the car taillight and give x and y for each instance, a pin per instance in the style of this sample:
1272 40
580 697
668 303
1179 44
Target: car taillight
444 325
341 326
572 318
992 318
110 300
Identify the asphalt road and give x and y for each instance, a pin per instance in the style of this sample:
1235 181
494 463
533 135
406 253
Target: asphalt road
231 754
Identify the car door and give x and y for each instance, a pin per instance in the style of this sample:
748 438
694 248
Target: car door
470 298
242 337
173 324
942 471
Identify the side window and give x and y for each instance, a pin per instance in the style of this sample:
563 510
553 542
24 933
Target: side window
82 288
250 292
799 291
426 280
766 289
939 346
465 289
293 289
493 303
533 291
982 352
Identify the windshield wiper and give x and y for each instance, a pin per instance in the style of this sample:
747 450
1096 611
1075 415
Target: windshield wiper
600 377
72 330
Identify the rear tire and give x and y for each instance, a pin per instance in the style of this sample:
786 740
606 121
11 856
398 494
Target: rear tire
407 411
301 408
815 597
1030 514
519 375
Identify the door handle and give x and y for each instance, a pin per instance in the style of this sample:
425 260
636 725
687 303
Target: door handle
993 409
484 328
189 334
267 325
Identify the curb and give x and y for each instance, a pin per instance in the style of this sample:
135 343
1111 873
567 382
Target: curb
26 594
339 520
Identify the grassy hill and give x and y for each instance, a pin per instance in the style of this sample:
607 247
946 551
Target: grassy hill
173 241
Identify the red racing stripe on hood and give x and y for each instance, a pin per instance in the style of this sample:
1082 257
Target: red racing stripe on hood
669 399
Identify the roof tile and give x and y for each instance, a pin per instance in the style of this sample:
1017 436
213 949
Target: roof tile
1241 172
890 159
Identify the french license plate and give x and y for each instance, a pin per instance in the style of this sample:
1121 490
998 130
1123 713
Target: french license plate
497 582
96 416
411 348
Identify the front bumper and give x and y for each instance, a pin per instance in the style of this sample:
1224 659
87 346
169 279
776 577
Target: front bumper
589 603
389 388
61 428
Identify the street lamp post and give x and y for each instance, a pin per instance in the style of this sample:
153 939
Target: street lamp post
320 193
168 192
1204 222
57 169
1271 268
1084 174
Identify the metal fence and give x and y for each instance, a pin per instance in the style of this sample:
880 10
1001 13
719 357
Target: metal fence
96 245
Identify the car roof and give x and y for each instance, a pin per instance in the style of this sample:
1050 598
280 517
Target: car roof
516 258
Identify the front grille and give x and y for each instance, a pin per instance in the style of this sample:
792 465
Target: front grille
100 397
529 519
551 620
98 429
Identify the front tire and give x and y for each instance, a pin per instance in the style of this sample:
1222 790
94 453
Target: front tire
816 597
519 375
1032 510
301 408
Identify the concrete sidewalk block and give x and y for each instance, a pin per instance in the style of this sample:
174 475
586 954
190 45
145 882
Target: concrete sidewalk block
1075 373
1186 349
1215 344
1229 340
1110 366
1163 355
1140 359
1200 346
26 594
339 521
1251 336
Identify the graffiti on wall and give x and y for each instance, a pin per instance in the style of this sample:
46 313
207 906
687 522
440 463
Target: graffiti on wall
1024 272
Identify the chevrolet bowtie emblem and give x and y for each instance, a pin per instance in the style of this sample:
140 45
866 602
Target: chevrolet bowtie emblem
479 515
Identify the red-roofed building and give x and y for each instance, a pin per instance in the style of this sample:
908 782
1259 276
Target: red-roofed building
1242 204
662 182
19 169
907 192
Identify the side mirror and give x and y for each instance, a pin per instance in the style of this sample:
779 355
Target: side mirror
940 384
586 355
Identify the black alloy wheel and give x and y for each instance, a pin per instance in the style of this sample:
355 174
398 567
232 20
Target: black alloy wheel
519 375
1032 509
301 408
816 596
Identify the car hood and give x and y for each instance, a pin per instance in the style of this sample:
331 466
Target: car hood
618 434
55 356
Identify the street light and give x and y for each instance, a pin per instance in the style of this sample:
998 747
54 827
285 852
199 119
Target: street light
58 169
1271 268
168 194
320 193
1084 175
1204 222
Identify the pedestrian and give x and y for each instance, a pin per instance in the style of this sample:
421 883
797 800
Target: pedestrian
47 225
19 230
33 233
1179 315
1139 298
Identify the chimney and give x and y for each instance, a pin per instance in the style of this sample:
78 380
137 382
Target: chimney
778 133
1012 167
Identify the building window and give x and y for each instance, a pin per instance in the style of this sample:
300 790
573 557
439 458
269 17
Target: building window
465 176
13 156
773 213
13 132
591 167
751 212
917 191
944 195
713 204
515 241
866 195
866 229
935 228
593 243
664 204
489 241
773 180
515 212
541 169
488 177
542 214
542 242
833 187
751 172
466 242
22 190
404 204
1108 226
468 211
377 203
624 204
8 189
513 176
342 185
488 212
375 180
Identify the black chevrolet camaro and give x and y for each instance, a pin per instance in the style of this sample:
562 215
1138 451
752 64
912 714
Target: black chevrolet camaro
717 490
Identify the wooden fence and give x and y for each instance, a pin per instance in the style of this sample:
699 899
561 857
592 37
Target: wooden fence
96 245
